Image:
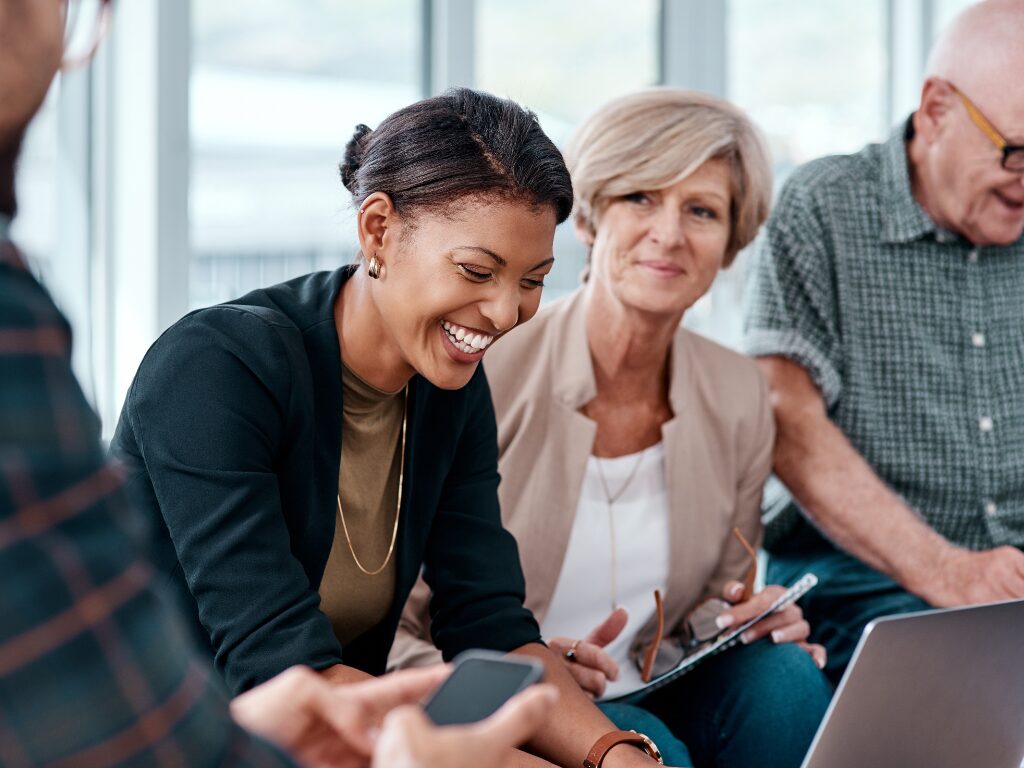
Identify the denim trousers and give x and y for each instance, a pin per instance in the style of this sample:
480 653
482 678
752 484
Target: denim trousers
849 594
755 705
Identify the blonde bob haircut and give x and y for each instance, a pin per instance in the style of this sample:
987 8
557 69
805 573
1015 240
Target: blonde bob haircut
655 138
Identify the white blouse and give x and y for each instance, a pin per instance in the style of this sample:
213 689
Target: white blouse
639 517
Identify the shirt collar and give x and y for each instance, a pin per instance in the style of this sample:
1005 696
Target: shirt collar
903 218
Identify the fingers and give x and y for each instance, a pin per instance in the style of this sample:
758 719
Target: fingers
782 629
608 629
592 681
1014 562
978 577
516 721
816 652
588 655
406 738
758 604
732 592
356 710
404 687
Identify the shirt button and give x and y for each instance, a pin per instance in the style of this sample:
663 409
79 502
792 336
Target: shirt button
985 424
978 339
991 508
973 256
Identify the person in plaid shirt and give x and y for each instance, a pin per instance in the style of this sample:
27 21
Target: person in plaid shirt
94 669
887 315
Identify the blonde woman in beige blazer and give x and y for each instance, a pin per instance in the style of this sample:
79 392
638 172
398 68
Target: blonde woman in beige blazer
632 448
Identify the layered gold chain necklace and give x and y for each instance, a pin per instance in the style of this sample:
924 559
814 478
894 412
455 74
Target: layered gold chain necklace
398 506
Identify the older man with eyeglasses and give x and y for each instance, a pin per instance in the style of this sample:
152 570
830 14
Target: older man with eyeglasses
887 311
94 669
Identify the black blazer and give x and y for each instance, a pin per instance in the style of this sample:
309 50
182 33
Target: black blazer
231 436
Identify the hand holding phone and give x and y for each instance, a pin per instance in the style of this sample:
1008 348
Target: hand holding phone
408 737
480 682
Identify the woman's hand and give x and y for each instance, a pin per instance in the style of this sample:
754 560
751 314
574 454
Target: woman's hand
785 626
593 667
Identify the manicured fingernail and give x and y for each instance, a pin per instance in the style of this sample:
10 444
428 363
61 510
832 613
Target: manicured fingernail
777 636
724 621
736 590
820 663
747 637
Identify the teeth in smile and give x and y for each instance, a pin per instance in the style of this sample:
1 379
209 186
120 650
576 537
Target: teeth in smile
466 340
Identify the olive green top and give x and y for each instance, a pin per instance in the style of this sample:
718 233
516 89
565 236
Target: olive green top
368 485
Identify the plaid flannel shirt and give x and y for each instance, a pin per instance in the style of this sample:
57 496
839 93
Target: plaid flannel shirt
94 671
914 336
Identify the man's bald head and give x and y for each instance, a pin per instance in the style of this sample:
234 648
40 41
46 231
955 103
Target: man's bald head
982 50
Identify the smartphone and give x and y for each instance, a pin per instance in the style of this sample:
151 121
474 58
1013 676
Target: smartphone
480 682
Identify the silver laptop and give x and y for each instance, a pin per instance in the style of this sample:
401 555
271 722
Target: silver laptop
930 690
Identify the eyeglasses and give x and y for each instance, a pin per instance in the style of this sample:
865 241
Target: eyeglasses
701 627
85 25
1013 155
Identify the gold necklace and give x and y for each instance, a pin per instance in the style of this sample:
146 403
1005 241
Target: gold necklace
398 507
611 517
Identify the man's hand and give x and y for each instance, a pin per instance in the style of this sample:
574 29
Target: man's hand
963 577
593 667
321 724
785 626
409 740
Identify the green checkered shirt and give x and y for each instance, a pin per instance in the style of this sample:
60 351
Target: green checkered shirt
914 336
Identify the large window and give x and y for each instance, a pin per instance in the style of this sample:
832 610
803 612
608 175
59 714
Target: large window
811 74
277 88
36 188
52 227
564 60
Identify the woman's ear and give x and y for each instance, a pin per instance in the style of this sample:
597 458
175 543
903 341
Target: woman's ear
376 215
581 226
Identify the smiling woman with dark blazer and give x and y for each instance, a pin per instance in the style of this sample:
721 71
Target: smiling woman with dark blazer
305 450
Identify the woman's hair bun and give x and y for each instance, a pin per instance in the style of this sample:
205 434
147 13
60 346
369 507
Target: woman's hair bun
354 151
433 154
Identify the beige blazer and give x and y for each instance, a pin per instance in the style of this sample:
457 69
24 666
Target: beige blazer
718 451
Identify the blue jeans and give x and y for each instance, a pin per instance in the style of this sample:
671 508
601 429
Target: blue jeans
849 595
757 705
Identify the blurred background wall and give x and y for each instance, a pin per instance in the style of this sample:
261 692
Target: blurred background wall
197 158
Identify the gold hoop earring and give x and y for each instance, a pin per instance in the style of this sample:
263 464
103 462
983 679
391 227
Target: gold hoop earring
374 269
